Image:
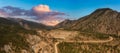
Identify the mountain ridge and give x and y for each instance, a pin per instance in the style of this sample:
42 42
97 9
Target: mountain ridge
103 20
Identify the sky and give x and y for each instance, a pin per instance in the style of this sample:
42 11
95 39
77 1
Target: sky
67 9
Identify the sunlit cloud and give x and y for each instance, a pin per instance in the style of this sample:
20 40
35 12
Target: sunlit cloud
41 8
41 13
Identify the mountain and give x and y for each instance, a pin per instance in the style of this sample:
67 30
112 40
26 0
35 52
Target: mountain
65 24
23 36
103 20
30 24
15 38
12 36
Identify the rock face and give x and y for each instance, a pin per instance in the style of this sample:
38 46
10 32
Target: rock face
41 43
102 20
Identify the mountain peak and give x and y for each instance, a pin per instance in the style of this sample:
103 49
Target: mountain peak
104 12
104 9
102 20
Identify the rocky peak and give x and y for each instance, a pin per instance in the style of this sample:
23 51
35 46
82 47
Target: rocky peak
104 11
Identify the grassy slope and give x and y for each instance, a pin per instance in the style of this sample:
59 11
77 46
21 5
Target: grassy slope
112 47
87 48
10 32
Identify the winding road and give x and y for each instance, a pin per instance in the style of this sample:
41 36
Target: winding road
90 41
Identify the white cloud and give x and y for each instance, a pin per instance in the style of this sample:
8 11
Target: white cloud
42 8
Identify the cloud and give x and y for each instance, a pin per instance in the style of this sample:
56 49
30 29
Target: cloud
41 8
46 15
40 13
44 12
15 11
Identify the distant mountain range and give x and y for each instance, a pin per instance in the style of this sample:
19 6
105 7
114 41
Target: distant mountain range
30 24
20 35
103 20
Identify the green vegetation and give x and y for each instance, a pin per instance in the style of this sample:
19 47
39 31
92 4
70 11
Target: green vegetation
87 48
11 32
95 35
67 47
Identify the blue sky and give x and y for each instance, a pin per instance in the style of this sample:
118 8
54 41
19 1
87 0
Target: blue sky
74 8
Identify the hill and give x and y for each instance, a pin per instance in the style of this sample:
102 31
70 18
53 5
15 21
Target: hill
103 20
10 34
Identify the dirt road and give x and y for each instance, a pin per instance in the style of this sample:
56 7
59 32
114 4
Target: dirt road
89 41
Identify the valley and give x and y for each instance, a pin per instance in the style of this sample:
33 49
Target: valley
94 33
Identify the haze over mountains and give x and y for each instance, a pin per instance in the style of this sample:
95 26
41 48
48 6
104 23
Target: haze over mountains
40 13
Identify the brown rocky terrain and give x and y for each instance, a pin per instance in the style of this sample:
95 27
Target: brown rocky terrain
104 20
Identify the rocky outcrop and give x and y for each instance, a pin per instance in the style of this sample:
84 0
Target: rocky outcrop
41 43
